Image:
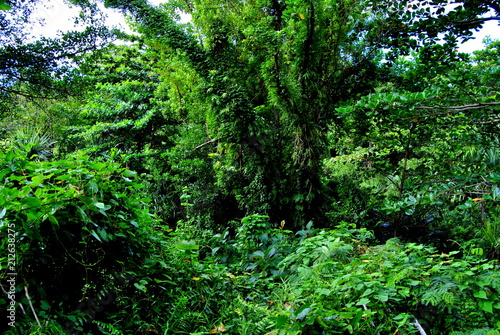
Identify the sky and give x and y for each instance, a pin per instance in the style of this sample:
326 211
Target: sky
58 16
490 28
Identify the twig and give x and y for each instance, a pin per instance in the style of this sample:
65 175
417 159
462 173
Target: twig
31 305
419 327
461 108
475 21
486 122
203 144
22 308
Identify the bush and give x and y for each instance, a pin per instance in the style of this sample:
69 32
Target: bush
77 229
340 284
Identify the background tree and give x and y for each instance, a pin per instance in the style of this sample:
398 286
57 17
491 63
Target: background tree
409 25
43 68
270 74
422 140
128 111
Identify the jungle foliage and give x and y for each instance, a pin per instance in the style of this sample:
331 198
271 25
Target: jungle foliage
268 167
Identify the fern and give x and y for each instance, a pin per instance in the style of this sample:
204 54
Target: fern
107 328
440 291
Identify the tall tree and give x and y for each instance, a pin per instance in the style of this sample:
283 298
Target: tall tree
127 111
271 73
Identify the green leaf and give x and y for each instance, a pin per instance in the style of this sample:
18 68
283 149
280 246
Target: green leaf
100 205
382 297
72 318
495 193
103 234
53 220
93 188
363 301
477 251
323 291
93 233
37 180
303 313
486 306
187 245
257 254
401 316
45 305
129 173
83 214
281 320
420 96
98 166
33 214
32 202
481 295
140 287
367 292
10 156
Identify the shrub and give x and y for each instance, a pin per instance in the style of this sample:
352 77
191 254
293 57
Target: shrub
78 229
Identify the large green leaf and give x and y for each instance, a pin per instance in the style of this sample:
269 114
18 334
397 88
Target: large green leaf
32 202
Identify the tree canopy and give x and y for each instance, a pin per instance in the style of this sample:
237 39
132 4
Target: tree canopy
40 67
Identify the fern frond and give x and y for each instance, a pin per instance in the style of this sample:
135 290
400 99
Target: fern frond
107 329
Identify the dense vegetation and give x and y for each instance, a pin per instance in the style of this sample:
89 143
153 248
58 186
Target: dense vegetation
269 167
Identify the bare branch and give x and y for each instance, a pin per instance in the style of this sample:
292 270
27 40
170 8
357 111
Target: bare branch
206 143
31 305
461 108
419 327
475 21
486 122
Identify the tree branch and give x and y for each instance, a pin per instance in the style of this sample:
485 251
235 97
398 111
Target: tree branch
475 21
486 122
419 327
31 305
206 143
461 108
